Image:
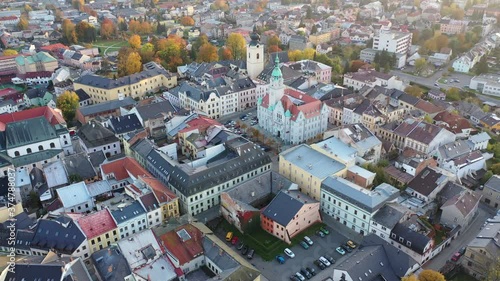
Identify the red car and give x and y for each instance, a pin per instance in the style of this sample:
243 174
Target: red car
456 256
235 240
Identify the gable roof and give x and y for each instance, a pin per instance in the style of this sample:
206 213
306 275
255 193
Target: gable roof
493 183
96 224
160 191
108 258
122 167
79 164
465 202
59 233
74 194
125 124
106 106
82 95
425 182
34 272
29 131
93 134
418 241
149 202
285 206
184 247
128 212
156 110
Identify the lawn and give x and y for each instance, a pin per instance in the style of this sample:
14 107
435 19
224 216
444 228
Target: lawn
266 245
462 276
109 43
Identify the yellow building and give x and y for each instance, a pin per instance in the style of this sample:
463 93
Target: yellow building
308 167
320 38
168 201
8 213
153 78
100 230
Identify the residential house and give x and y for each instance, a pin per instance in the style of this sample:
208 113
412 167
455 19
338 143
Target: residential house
379 260
100 230
454 123
104 109
111 257
153 211
122 172
74 269
352 204
75 198
194 137
491 192
479 141
59 234
122 125
37 97
412 236
83 98
206 102
289 213
102 89
368 146
491 122
483 251
451 27
95 137
436 94
426 185
460 209
371 78
130 219
152 117
308 168
168 202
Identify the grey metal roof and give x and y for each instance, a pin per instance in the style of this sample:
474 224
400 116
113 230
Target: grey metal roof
35 157
312 161
418 240
480 137
217 255
110 258
284 206
150 70
127 213
425 182
454 149
82 95
79 164
34 272
97 158
493 183
29 131
124 124
154 110
94 135
370 201
106 106
388 216
228 165
64 237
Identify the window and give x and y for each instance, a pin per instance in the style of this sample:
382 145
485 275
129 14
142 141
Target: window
16 153
40 148
401 239
28 150
52 145
393 235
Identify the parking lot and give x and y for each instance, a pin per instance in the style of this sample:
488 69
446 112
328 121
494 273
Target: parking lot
323 246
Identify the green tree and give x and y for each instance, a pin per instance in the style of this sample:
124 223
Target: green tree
431 275
414 90
420 64
482 66
68 102
494 271
309 13
23 22
73 178
453 94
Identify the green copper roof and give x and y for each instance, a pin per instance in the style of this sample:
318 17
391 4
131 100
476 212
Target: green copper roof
276 71
259 101
288 113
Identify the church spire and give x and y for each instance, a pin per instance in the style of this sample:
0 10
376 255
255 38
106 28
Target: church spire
276 71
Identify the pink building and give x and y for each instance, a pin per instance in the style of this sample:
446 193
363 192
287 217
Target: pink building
288 214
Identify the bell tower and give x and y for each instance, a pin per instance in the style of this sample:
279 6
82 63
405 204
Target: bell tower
255 55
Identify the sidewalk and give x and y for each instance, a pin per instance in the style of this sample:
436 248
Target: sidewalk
342 229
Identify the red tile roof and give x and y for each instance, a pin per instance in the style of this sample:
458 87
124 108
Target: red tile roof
311 107
9 57
123 168
53 116
42 74
8 91
428 107
184 251
97 223
455 123
54 47
161 192
201 123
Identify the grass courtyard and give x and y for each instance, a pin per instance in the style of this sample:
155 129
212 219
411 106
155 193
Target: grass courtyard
266 245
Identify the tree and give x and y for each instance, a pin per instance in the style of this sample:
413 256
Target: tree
453 94
195 48
430 275
75 178
412 277
273 44
85 32
208 53
129 61
23 22
428 119
68 32
27 8
68 102
482 66
135 41
414 90
420 65
486 108
134 26
78 4
122 25
187 21
494 271
495 168
225 54
172 51
147 52
9 52
108 29
237 44
356 65
309 12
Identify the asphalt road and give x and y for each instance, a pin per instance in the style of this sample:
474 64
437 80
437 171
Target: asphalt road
461 241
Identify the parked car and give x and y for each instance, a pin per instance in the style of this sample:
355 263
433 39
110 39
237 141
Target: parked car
330 259
325 261
294 278
346 248
244 251
311 270
289 253
306 273
304 245
243 116
235 240
250 254
280 259
320 233
308 240
240 245
340 250
462 251
300 276
456 256
351 244
324 230
319 264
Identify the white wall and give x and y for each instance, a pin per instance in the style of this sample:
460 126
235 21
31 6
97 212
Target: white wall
34 147
132 226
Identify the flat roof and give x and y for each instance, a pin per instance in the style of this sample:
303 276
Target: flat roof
313 161
334 146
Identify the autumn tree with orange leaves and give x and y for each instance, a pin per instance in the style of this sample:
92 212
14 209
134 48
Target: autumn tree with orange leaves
108 29
187 21
208 53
